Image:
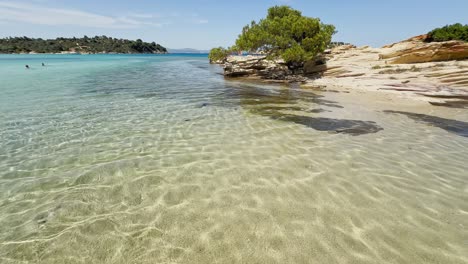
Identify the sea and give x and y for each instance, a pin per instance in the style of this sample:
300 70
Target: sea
160 159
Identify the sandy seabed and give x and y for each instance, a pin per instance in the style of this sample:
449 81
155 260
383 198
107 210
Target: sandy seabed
265 175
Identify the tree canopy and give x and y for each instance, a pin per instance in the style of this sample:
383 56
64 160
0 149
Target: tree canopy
90 45
449 32
286 33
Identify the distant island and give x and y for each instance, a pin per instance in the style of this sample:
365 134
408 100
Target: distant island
188 50
84 45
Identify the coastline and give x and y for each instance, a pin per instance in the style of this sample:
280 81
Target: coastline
409 69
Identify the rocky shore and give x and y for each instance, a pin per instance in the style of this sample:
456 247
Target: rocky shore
259 67
435 72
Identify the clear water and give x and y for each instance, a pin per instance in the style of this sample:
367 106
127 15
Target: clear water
158 159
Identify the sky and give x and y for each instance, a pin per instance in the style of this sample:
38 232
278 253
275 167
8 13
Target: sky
203 24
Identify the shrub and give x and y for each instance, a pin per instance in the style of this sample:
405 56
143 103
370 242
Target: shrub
449 32
218 54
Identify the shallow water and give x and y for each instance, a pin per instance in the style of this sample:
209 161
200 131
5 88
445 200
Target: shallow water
158 159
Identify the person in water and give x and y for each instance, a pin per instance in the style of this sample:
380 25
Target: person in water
43 64
27 66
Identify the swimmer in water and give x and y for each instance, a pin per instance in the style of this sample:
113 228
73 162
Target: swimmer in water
27 66
43 64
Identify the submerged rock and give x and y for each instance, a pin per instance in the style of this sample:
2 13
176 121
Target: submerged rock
344 126
453 126
203 105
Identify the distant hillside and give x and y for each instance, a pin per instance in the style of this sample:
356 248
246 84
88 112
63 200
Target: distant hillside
98 44
188 50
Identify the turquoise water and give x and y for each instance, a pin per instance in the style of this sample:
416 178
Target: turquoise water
159 159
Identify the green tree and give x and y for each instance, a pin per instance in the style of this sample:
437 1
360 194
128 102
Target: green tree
449 32
286 33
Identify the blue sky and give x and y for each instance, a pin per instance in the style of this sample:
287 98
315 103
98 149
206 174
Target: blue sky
203 24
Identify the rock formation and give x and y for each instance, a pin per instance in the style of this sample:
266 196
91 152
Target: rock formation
383 68
416 50
387 69
276 70
262 68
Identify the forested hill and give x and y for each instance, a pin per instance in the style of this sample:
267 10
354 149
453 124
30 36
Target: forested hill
98 44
